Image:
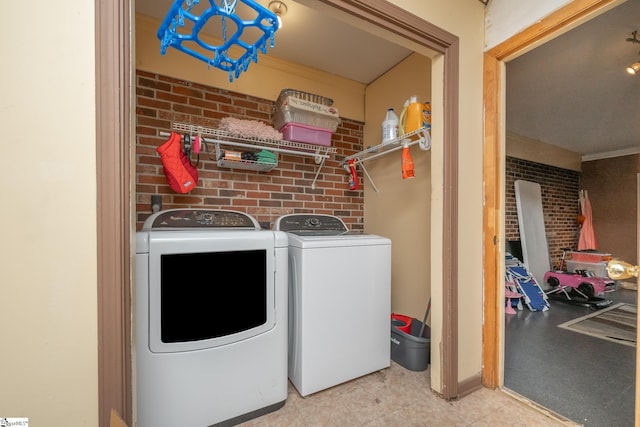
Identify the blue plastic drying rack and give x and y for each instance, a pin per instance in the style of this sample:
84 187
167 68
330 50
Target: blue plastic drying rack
173 33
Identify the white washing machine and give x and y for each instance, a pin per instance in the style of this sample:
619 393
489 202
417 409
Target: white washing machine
211 319
339 301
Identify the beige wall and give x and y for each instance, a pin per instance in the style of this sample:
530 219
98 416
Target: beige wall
612 189
401 208
525 148
48 320
506 18
469 27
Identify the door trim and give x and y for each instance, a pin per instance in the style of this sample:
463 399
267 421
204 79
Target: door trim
113 127
493 244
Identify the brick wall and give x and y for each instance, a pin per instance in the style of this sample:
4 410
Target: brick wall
285 189
559 189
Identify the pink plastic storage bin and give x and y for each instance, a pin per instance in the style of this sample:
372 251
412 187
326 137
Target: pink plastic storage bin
303 133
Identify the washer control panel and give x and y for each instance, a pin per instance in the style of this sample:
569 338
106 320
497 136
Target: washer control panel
311 224
200 218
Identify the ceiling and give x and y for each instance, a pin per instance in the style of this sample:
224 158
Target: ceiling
571 92
316 40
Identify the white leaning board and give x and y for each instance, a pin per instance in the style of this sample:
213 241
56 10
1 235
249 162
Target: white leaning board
533 237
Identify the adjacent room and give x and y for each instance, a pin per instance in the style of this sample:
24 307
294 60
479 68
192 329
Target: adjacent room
572 136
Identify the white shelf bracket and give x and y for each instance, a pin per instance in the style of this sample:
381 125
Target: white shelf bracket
321 159
373 184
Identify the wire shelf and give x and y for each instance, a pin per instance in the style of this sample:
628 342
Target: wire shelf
282 146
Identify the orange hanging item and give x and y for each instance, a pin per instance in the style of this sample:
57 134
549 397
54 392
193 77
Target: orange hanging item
587 238
407 163
181 175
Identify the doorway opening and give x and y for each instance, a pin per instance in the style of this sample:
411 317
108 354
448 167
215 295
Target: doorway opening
114 142
495 238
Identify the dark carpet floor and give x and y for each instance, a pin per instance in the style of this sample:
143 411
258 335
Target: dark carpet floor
586 379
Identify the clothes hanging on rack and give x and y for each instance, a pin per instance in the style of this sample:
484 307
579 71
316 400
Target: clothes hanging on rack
587 238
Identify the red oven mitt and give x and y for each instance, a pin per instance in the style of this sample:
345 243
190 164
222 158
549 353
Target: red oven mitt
180 173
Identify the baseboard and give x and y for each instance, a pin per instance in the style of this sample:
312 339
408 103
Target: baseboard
470 385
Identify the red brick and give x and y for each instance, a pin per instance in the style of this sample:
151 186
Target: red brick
285 189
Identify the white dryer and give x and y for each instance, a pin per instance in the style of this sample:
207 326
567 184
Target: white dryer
339 301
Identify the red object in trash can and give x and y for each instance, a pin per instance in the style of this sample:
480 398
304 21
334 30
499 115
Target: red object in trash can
401 322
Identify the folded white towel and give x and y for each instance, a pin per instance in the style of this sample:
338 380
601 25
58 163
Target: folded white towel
249 129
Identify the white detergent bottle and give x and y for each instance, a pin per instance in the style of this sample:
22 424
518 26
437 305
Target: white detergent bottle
390 126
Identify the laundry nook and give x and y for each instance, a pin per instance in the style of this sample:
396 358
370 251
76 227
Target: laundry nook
292 163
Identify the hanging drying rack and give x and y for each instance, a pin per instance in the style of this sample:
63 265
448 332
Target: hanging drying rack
420 136
220 137
248 30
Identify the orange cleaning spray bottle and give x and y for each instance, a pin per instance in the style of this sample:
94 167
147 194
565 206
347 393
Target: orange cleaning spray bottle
407 161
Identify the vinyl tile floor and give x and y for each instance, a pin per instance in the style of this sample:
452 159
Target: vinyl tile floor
553 377
399 397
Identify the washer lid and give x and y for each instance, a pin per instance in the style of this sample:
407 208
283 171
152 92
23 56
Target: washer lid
342 240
